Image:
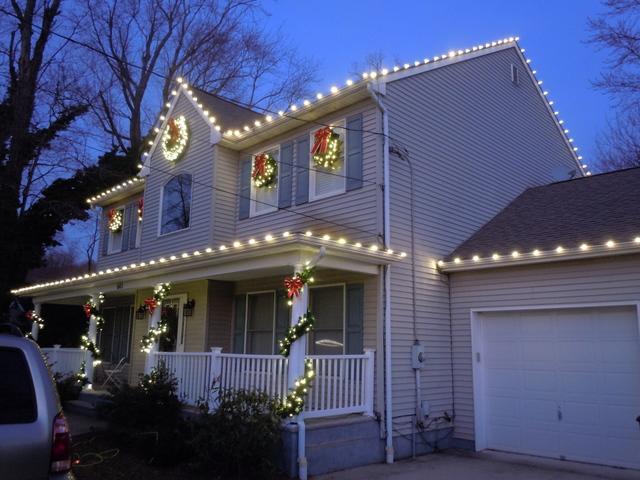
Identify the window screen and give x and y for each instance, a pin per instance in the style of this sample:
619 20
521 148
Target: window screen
176 204
17 398
260 319
327 305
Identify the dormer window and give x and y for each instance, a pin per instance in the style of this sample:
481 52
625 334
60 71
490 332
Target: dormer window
264 181
176 204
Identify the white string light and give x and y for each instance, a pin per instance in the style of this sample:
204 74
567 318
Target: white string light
126 185
517 256
269 239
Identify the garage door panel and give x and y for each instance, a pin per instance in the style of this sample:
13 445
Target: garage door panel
564 383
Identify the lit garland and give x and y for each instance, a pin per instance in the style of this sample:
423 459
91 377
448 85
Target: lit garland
294 402
153 335
140 208
35 318
264 173
115 220
86 344
81 376
92 309
175 138
304 326
295 284
327 148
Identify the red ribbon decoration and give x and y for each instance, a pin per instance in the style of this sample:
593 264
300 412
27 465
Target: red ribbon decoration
87 309
293 286
174 131
321 140
28 314
140 205
151 304
259 165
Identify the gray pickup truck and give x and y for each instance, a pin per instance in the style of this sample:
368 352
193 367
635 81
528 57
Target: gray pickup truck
35 442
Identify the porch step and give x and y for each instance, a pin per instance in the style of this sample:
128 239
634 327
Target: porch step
337 444
88 403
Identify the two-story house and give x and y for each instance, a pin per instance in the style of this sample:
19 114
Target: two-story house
373 183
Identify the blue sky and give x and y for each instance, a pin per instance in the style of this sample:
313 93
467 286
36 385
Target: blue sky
553 33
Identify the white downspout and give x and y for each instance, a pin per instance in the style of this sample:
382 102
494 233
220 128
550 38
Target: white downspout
388 416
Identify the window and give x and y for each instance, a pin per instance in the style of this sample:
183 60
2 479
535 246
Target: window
260 322
176 204
265 200
115 238
515 74
17 398
324 182
328 307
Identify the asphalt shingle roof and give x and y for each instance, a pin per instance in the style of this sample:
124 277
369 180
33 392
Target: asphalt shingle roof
228 114
591 209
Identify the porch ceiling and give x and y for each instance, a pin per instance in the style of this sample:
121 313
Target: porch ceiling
273 255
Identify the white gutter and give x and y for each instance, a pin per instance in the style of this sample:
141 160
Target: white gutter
388 416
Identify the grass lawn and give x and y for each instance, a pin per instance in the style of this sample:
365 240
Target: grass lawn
105 456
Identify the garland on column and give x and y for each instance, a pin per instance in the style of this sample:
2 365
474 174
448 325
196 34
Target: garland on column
293 403
35 318
153 335
92 308
87 344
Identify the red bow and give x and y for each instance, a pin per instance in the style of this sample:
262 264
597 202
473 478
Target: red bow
293 286
259 165
321 140
87 309
174 131
29 314
151 304
140 206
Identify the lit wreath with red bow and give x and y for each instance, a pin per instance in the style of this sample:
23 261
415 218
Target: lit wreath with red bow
327 148
115 220
175 138
295 284
264 173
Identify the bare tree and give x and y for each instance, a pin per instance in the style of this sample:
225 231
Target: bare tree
619 146
217 44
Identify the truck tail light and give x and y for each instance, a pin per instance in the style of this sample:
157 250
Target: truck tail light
61 449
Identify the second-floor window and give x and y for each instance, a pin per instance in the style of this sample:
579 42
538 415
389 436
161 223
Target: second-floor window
325 181
176 204
115 219
264 197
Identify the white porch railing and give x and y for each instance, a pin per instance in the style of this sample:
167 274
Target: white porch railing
65 361
343 383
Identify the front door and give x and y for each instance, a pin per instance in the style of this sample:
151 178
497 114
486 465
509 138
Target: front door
172 310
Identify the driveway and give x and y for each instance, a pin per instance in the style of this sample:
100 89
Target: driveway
465 465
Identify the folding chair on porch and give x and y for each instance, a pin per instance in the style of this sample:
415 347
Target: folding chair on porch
112 373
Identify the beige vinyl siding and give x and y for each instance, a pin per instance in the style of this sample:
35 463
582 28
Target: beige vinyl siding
613 279
120 258
475 141
220 320
359 210
195 330
199 162
225 211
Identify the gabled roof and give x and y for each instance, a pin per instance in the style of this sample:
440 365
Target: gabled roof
580 216
228 113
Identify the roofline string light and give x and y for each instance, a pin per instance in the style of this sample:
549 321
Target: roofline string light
560 251
268 119
127 184
268 239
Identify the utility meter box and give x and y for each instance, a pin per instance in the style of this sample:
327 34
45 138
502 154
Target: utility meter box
418 356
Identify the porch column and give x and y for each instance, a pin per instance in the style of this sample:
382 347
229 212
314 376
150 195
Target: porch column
298 348
154 320
34 326
92 334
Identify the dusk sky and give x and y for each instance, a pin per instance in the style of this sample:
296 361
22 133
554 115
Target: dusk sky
553 33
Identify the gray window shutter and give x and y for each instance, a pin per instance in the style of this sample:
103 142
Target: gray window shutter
302 170
104 237
284 175
239 311
282 318
245 188
135 224
127 216
355 318
354 152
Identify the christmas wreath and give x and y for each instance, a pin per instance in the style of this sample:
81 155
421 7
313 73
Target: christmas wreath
115 220
175 138
327 148
264 173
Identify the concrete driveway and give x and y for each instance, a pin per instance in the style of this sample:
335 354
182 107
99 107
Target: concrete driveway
464 465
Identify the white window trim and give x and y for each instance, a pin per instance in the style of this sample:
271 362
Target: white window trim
252 203
159 230
246 318
341 124
344 313
110 250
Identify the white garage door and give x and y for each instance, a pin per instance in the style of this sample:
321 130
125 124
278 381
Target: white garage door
562 384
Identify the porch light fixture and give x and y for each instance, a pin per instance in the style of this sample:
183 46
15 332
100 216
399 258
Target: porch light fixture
187 308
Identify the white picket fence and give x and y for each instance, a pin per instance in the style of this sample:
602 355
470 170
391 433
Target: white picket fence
65 361
343 383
